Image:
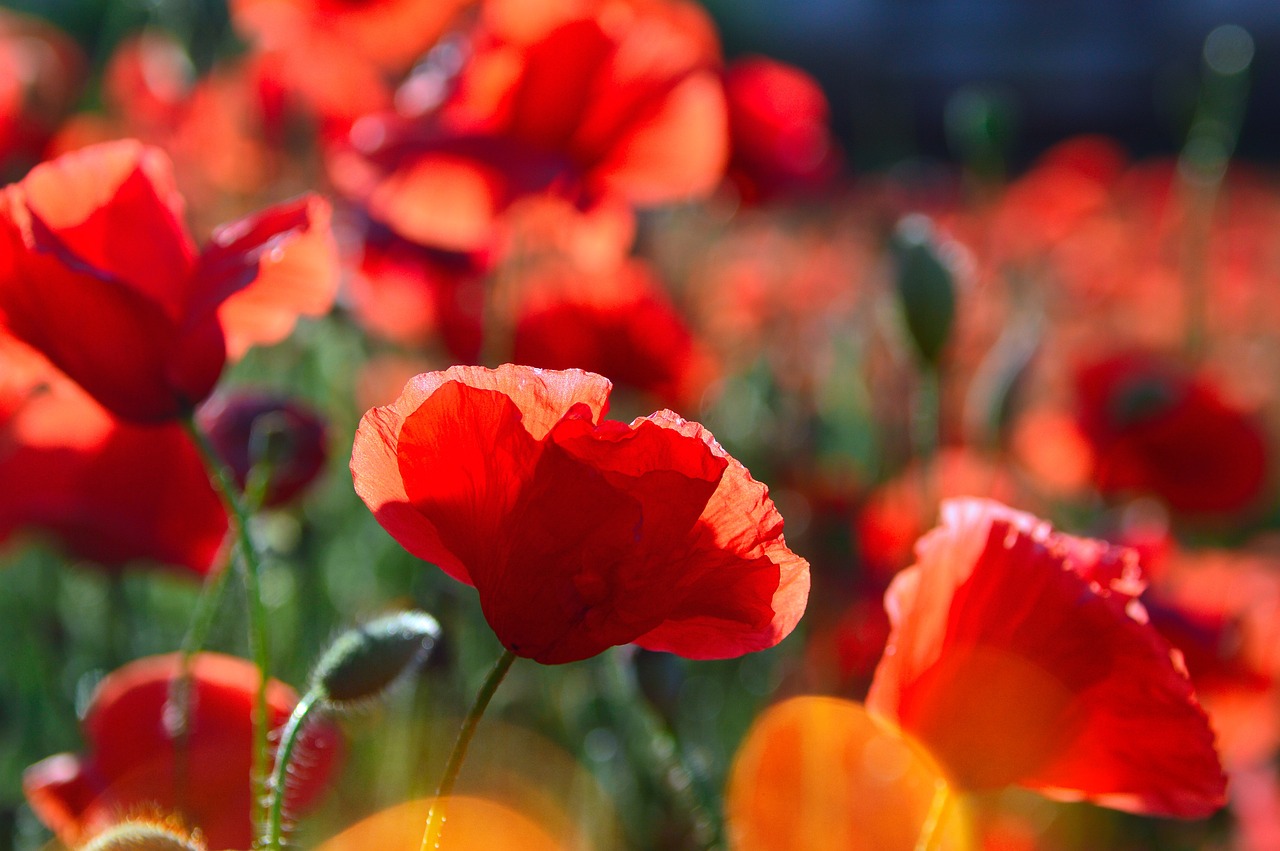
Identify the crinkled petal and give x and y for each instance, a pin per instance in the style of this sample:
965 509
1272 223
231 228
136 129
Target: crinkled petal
743 589
1014 663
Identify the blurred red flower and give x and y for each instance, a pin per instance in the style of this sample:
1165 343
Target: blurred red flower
133 762
109 491
98 272
1155 429
1020 655
779 127
579 533
41 71
618 98
619 323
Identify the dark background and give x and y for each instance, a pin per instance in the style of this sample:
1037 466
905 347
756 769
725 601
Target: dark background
1127 68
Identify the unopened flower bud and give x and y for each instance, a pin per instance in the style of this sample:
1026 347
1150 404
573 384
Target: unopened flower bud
366 660
144 835
282 439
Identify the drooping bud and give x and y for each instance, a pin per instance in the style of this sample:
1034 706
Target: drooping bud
367 660
278 438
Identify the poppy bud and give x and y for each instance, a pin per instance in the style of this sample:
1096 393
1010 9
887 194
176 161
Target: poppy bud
926 285
283 439
144 836
366 660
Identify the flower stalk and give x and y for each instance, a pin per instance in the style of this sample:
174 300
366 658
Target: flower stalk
251 566
436 815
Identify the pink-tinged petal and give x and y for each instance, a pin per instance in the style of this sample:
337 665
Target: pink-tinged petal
743 588
462 455
1020 656
377 453
116 212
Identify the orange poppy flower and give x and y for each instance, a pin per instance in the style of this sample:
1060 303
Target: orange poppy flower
819 773
98 273
133 762
579 533
1020 655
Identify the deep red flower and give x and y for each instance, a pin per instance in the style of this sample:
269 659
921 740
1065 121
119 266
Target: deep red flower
253 428
617 98
617 322
108 491
98 272
1158 430
1020 655
779 129
133 763
579 533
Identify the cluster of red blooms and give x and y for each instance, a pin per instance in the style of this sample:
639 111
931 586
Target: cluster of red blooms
588 189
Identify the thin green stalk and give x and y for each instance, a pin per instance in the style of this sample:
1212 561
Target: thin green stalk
238 515
177 711
689 787
436 816
289 739
935 821
177 717
925 430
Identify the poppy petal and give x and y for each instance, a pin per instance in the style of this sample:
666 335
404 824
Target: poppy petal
288 260
1020 655
761 588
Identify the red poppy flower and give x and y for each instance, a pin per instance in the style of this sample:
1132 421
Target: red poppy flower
620 99
779 130
1020 655
41 71
109 491
133 763
1157 430
617 322
99 274
579 533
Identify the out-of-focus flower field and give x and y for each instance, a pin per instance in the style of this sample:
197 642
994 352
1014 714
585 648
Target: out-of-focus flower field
346 348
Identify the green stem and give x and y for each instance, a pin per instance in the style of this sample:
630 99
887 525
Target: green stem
289 739
925 428
238 516
436 816
934 826
687 786
177 712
